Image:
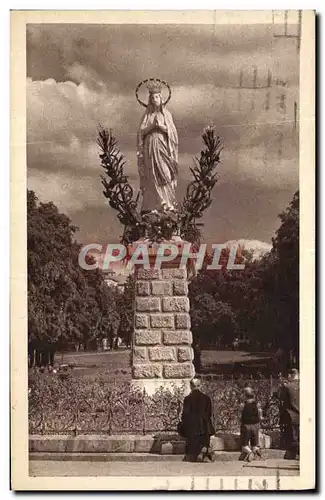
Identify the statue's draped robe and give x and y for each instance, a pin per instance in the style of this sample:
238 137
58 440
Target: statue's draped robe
158 161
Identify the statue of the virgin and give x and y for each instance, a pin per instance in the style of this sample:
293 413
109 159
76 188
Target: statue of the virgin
157 152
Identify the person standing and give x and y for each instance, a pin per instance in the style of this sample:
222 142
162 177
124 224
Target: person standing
196 423
290 414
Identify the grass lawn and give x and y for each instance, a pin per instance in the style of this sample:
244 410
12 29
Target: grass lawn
114 359
117 363
229 357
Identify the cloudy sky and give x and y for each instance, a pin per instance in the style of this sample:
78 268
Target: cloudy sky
80 76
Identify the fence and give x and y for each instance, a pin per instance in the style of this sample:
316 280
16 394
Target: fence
80 406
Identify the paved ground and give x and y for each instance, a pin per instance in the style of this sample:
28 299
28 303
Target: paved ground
156 469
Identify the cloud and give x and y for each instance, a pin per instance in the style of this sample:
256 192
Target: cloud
80 76
258 248
56 111
57 188
63 121
123 55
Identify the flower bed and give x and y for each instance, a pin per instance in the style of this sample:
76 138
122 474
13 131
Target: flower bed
65 404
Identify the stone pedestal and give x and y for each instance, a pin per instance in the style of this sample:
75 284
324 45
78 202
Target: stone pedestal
161 350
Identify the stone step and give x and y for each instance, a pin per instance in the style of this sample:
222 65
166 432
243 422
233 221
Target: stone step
220 456
170 444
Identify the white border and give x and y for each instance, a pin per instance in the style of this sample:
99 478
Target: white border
307 321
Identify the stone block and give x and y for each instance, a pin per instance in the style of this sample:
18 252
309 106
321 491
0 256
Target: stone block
217 443
161 288
84 444
180 287
166 448
139 355
231 441
162 321
174 337
162 354
274 438
183 321
141 321
152 385
143 444
179 370
152 370
50 444
147 337
147 274
175 304
185 354
147 304
143 288
178 447
264 440
114 444
174 273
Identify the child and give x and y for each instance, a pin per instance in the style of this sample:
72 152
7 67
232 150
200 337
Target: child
251 417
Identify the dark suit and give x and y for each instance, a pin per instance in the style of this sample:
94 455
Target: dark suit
290 416
197 423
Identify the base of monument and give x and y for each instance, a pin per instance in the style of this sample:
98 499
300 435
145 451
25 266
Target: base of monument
151 386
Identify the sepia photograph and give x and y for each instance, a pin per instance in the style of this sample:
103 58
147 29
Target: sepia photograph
162 271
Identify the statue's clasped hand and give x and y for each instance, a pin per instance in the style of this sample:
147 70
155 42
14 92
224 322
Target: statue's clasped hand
159 125
156 123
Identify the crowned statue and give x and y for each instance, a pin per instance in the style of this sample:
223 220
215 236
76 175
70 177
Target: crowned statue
157 151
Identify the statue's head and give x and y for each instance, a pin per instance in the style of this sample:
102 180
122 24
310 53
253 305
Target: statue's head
155 99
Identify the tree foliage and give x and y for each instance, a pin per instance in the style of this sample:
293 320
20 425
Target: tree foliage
198 192
126 311
66 304
261 301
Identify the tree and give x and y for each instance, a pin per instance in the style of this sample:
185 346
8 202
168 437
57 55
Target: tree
212 320
66 304
218 299
264 297
286 276
126 310
49 259
110 319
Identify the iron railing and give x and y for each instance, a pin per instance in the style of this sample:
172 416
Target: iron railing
82 406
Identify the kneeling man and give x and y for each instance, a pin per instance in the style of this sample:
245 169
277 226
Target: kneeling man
197 424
